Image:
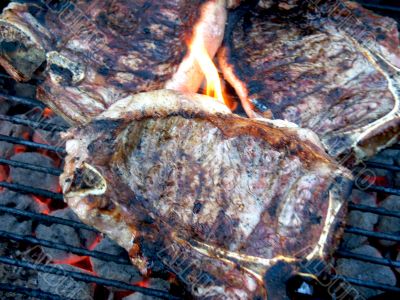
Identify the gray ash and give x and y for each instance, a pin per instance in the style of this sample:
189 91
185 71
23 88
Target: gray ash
123 272
360 219
366 271
13 130
16 224
373 247
65 286
64 235
32 178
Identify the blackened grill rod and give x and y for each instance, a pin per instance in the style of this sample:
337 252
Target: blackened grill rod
47 126
31 190
65 247
37 168
375 210
22 100
380 6
86 277
383 166
369 284
367 258
382 189
35 293
373 234
45 219
19 141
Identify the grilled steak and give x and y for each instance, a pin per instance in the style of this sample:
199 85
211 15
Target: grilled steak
219 199
332 68
97 52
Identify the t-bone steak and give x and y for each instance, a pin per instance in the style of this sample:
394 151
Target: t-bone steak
331 68
221 200
97 52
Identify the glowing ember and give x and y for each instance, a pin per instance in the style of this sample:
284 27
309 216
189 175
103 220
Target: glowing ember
3 174
198 48
95 243
143 283
377 180
21 148
47 113
43 204
82 262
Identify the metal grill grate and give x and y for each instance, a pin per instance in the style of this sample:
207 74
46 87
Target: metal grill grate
45 219
48 220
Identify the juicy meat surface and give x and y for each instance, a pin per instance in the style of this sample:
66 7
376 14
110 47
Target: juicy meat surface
97 52
333 69
219 199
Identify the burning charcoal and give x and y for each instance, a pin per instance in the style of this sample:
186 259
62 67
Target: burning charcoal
396 180
393 154
154 283
360 219
123 272
65 235
11 223
383 177
4 107
366 271
65 286
389 224
382 158
20 277
13 130
25 90
32 178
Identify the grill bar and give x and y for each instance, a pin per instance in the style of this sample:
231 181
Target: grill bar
22 100
382 189
31 190
375 210
19 141
373 234
76 250
33 124
367 258
380 6
37 168
86 277
45 219
36 293
383 166
365 283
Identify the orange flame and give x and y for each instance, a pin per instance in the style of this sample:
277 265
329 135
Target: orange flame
198 48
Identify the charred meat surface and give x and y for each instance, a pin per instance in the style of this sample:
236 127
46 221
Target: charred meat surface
175 178
97 52
333 69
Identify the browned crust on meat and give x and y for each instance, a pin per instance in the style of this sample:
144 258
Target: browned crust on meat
113 49
292 76
167 197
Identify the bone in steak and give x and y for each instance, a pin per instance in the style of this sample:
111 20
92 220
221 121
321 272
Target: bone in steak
177 179
97 52
332 68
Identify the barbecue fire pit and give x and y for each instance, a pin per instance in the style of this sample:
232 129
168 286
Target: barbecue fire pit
46 252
